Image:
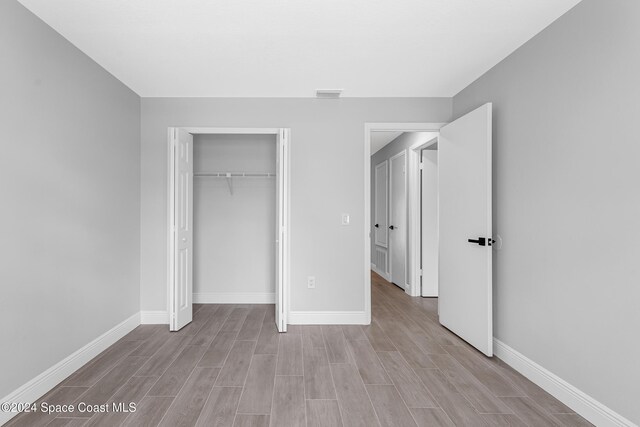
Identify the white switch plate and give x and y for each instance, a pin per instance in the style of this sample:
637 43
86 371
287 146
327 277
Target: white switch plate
311 282
346 219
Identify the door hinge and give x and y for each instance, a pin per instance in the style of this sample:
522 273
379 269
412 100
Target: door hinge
421 165
420 272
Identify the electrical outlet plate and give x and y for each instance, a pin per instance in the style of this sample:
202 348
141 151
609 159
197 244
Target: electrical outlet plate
346 219
311 282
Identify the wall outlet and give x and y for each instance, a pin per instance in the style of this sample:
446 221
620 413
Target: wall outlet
311 282
346 219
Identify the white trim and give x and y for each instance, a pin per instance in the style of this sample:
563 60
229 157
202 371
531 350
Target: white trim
47 380
367 223
368 128
234 298
403 127
381 273
328 318
414 198
231 131
585 405
154 317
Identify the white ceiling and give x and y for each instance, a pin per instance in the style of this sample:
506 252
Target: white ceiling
381 138
290 48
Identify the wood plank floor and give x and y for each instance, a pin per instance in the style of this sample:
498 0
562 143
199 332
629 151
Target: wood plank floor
230 367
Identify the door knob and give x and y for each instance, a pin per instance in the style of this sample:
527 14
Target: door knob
377 225
482 241
184 239
391 227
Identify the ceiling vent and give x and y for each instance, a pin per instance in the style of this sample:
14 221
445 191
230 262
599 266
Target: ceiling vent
328 93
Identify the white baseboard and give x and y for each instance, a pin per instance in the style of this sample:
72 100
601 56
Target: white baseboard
582 403
384 275
41 384
327 318
234 298
157 317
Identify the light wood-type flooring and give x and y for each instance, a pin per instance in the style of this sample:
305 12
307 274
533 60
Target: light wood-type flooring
230 367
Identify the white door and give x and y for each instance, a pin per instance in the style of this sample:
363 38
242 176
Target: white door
398 219
464 165
429 222
282 250
381 207
181 234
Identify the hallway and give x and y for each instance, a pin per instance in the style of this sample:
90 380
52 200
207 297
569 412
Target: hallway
230 367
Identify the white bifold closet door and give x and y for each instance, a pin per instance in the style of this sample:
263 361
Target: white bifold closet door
464 164
281 238
181 229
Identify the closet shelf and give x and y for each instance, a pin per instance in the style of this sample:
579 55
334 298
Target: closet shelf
229 175
234 174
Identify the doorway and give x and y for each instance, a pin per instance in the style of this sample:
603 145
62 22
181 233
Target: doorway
395 221
219 180
448 216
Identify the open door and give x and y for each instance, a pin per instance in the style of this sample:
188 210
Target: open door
465 258
398 219
181 229
429 222
282 240
381 209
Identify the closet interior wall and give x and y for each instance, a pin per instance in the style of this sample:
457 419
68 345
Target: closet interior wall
234 220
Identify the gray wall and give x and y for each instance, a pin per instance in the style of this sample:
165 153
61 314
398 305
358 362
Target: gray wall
327 149
70 192
233 239
567 198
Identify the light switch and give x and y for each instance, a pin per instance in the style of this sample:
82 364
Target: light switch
346 219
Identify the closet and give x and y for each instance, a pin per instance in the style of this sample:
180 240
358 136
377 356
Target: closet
234 208
228 216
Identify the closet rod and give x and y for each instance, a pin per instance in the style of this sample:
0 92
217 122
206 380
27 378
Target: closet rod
234 174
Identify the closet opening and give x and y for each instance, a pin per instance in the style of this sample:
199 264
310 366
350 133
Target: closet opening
228 215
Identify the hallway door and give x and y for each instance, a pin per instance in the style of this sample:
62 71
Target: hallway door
398 219
429 222
465 273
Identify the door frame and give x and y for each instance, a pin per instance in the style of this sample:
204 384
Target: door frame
415 214
171 203
381 127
